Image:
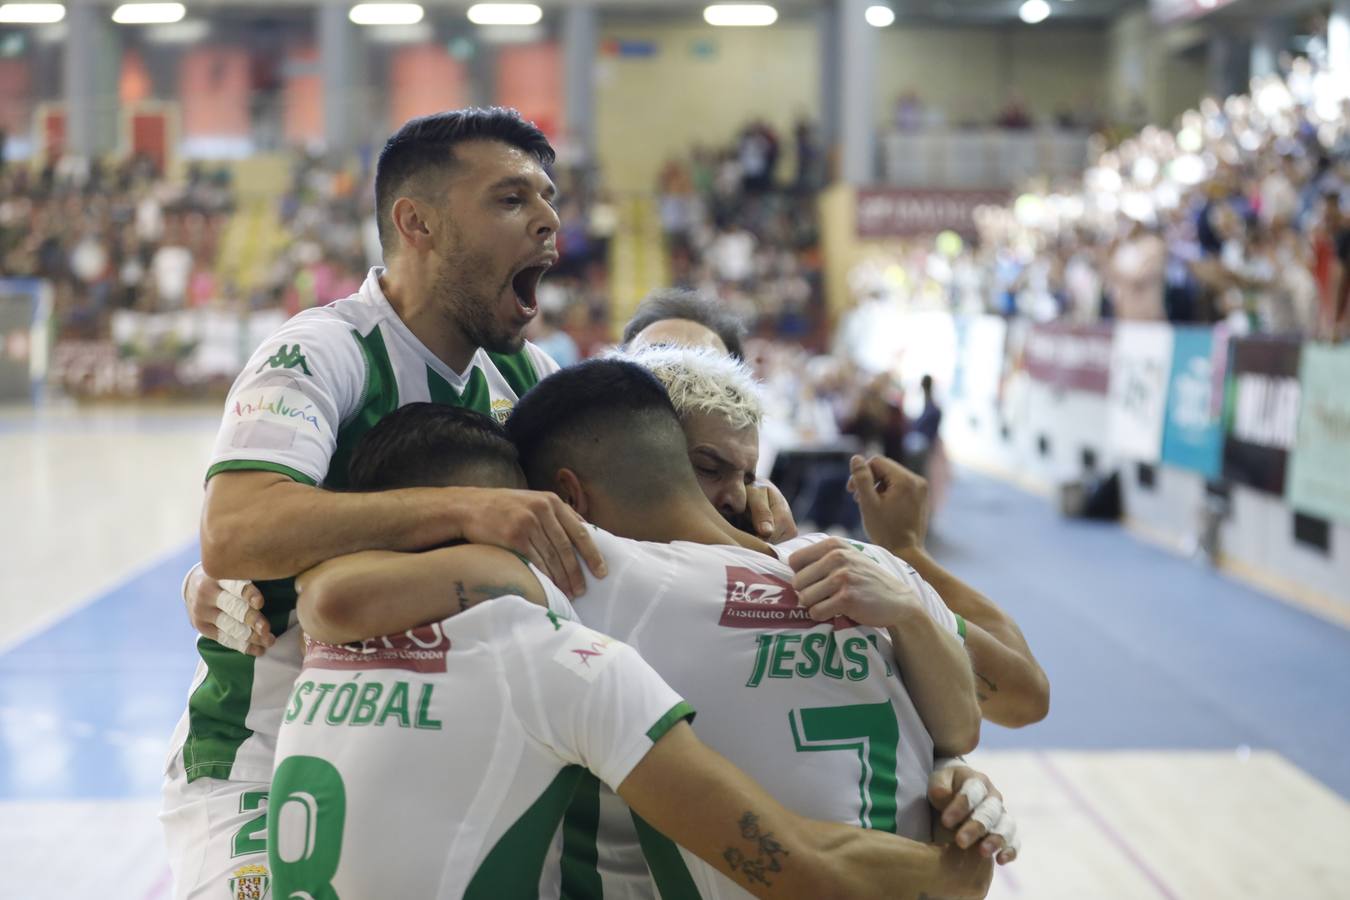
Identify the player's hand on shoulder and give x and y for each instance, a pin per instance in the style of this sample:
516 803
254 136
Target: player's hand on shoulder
542 528
834 578
768 511
893 501
971 812
228 612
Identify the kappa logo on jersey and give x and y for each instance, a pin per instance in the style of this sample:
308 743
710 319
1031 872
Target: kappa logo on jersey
760 600
501 410
286 358
587 653
422 649
250 883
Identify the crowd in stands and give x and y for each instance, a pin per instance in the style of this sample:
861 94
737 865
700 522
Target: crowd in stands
112 237
1240 214
740 228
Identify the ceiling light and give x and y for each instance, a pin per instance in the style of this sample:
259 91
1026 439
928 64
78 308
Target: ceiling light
31 13
879 16
385 14
505 14
740 14
148 13
1034 11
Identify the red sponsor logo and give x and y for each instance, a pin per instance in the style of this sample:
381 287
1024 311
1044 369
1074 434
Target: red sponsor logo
419 650
760 600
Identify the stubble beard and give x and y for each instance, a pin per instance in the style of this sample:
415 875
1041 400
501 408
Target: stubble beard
470 308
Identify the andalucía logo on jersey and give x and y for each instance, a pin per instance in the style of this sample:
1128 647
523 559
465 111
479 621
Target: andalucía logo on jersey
760 600
286 358
422 649
250 883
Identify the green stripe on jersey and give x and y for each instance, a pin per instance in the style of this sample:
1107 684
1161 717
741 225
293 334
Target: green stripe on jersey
379 398
512 868
580 859
251 465
517 369
678 713
475 397
669 872
218 707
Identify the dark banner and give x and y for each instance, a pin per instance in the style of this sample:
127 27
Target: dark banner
1070 357
897 212
1261 411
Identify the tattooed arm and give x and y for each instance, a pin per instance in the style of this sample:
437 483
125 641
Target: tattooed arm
364 595
699 799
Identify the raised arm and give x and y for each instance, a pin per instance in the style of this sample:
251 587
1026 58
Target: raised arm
1013 689
835 579
376 592
700 800
259 525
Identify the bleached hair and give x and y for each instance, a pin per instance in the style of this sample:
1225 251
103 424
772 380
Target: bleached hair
702 380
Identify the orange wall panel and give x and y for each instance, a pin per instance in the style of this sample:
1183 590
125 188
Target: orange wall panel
529 78
424 80
304 97
15 96
214 85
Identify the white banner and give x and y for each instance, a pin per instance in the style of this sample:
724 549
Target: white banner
1141 364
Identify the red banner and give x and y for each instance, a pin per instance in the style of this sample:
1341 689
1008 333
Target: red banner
1070 357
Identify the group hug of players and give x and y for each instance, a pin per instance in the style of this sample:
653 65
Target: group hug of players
473 626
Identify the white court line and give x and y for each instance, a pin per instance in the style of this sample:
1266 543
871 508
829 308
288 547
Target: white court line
52 620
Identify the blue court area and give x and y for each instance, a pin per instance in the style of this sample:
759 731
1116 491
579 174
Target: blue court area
1144 651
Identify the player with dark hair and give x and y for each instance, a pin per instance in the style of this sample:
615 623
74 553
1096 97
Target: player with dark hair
478 721
468 227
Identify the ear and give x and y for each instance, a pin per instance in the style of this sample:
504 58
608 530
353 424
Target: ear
410 220
567 485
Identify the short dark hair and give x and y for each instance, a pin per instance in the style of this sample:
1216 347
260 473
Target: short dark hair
426 144
432 445
611 422
678 303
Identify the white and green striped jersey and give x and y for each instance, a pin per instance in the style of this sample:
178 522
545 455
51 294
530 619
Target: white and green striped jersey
815 712
439 763
305 398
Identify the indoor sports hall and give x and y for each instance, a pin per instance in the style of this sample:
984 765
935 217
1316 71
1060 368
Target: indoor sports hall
1083 264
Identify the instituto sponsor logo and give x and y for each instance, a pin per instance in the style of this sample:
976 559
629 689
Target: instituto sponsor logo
421 649
277 403
760 600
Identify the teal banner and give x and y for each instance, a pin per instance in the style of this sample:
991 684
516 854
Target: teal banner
1192 428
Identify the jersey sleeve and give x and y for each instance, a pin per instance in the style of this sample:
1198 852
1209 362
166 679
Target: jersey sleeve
284 410
591 698
556 600
928 597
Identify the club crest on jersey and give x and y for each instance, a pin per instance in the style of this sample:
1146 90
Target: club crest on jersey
501 410
760 600
250 883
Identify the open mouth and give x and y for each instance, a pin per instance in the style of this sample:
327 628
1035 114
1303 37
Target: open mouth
526 285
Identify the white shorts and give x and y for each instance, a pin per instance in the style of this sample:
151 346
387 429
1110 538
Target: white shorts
216 832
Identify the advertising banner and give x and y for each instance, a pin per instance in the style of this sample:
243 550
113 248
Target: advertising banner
899 212
1070 357
1319 470
1261 411
981 342
1141 363
1192 425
